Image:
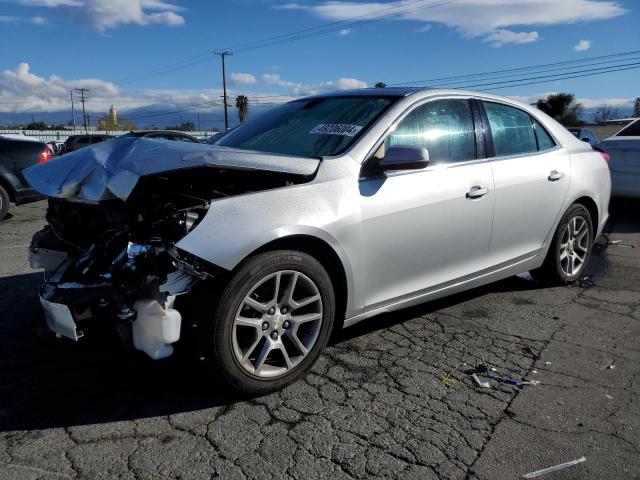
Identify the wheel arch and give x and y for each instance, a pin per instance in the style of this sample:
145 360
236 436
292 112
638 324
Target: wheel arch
591 206
8 186
327 256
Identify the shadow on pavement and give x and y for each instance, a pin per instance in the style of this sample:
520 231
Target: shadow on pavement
48 382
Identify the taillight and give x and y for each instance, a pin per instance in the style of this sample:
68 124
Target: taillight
45 156
604 155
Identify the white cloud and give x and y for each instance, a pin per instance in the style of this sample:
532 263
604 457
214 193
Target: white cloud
582 46
38 20
21 90
7 19
491 20
501 37
344 32
102 15
310 89
242 79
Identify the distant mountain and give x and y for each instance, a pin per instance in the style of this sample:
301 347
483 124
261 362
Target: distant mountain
154 116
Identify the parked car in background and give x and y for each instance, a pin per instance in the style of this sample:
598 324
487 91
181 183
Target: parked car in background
585 135
16 154
56 147
165 135
76 142
212 139
624 151
324 211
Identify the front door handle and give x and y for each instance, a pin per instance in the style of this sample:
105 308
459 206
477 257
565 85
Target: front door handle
555 176
477 192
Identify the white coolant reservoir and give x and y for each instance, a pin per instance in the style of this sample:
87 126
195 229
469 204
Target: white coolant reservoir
155 328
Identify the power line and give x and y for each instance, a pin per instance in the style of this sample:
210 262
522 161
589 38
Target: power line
288 37
222 55
82 99
337 25
530 67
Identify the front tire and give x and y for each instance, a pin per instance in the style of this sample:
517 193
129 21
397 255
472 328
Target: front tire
272 321
4 203
570 249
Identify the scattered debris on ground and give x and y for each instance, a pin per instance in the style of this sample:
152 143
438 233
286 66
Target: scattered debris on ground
555 468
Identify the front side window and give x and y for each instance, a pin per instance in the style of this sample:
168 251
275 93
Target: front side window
511 130
444 127
311 127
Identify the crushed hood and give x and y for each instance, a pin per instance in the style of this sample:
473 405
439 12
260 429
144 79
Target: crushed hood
111 169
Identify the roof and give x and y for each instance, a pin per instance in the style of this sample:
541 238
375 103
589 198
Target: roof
384 92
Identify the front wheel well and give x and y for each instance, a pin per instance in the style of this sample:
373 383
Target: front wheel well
590 205
4 183
328 258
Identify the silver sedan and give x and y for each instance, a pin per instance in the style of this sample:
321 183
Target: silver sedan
319 214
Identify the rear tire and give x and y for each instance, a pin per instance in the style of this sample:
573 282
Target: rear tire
272 321
4 203
570 248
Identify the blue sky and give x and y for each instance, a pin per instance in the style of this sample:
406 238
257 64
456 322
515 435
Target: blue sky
49 46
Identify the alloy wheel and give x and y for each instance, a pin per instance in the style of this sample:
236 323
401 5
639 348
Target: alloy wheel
277 323
574 246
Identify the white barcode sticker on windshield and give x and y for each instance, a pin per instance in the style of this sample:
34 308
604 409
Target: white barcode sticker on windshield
337 129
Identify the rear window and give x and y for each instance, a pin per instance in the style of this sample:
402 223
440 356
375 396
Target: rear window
632 130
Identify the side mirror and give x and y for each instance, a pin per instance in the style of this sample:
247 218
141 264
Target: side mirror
404 158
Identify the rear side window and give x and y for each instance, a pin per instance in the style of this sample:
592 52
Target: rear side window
511 129
545 142
444 127
632 130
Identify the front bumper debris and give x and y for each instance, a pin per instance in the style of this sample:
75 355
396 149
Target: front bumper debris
60 319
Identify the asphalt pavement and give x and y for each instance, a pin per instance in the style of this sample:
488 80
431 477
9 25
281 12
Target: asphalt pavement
374 406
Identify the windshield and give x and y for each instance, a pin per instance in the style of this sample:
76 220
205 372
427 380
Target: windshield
312 127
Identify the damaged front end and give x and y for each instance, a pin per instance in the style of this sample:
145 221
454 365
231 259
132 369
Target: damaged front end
118 261
109 255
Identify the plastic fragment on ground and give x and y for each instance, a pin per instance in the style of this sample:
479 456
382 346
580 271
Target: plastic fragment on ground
555 468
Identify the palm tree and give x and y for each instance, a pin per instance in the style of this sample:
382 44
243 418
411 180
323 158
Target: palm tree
380 85
242 103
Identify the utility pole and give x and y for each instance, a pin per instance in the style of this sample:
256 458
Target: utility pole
73 112
224 87
82 99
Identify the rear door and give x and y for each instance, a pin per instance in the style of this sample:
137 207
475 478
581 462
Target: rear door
531 175
421 228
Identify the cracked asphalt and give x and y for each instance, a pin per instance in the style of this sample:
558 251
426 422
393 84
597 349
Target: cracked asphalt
374 406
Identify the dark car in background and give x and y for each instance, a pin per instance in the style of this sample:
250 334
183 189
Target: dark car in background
16 154
76 142
585 135
165 135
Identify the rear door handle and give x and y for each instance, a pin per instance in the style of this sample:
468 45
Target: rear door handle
477 192
555 176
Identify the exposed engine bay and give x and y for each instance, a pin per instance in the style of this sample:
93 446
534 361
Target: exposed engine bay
117 259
